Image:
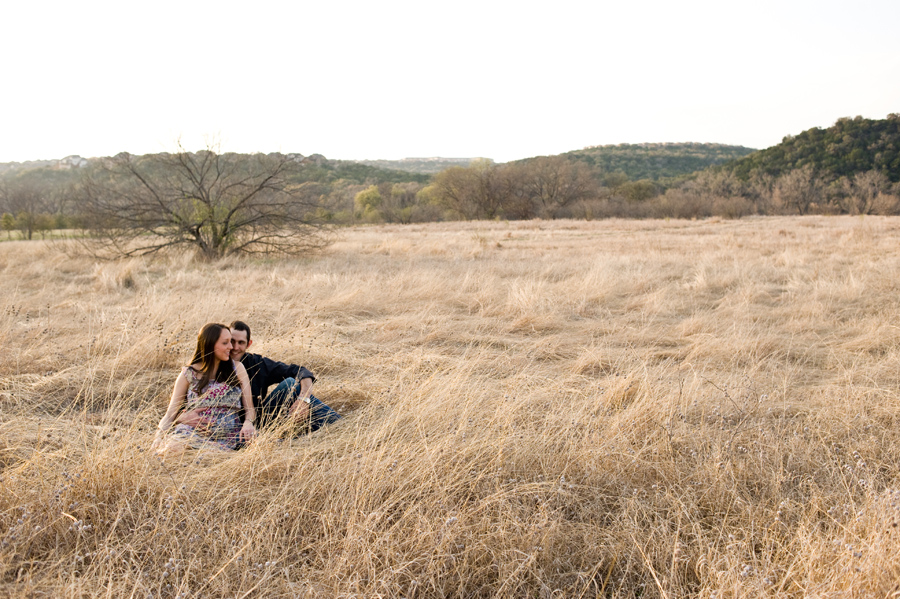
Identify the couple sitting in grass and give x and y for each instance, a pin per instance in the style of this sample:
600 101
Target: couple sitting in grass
216 400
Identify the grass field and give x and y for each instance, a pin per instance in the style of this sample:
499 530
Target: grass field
533 409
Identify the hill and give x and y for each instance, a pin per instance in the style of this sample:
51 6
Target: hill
427 166
329 171
315 168
656 161
62 164
850 146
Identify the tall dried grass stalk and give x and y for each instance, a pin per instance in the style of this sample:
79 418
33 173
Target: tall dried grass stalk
543 409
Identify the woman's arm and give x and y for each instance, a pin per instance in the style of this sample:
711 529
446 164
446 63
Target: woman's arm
179 393
249 427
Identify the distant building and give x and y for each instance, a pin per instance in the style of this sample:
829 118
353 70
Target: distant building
70 162
439 159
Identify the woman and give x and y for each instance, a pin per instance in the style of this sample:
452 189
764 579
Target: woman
220 388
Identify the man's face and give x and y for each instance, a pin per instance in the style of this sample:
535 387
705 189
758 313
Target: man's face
239 344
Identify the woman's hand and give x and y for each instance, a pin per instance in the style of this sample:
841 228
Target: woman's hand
248 431
178 395
158 443
192 418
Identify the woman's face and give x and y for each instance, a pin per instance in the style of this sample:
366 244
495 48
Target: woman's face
222 350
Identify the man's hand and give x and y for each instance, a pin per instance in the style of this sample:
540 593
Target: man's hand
299 410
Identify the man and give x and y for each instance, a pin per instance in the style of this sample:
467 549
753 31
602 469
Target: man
291 398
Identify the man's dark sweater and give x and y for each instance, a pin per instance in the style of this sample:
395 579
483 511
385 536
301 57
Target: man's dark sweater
264 372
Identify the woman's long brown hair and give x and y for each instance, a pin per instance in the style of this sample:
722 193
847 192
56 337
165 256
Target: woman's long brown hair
206 357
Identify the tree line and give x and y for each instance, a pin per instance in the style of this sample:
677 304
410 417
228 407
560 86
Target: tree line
554 187
223 203
220 204
36 202
212 201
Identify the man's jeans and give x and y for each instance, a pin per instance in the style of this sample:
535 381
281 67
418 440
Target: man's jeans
279 401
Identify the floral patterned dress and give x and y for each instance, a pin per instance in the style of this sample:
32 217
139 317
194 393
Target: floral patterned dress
220 405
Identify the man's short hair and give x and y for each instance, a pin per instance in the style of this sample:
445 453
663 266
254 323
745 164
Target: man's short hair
239 325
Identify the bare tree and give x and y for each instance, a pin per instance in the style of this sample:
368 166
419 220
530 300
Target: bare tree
8 222
552 182
218 204
26 199
480 190
859 194
455 189
399 205
719 183
798 189
760 188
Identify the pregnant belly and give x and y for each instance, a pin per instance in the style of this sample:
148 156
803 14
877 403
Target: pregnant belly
218 423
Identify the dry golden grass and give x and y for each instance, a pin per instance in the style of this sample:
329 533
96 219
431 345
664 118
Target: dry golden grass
535 409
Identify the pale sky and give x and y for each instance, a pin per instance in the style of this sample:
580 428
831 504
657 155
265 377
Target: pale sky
395 78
